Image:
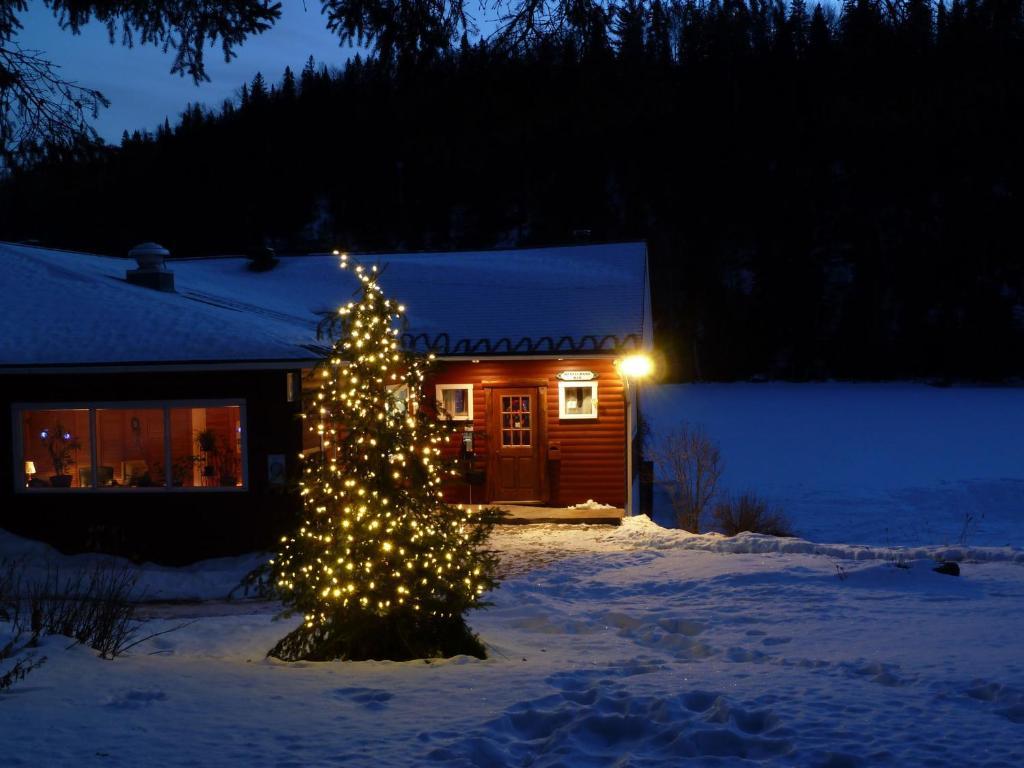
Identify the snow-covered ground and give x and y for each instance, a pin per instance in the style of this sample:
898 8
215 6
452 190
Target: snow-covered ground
608 647
880 464
636 645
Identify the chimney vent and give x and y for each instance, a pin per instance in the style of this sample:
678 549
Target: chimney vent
152 273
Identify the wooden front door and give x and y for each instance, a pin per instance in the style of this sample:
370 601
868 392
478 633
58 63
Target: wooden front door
516 424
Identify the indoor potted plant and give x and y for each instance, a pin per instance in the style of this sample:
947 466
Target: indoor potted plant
60 444
207 442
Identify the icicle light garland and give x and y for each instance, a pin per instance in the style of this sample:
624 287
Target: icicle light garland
377 535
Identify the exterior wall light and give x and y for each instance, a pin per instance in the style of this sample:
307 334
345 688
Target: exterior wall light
633 369
636 366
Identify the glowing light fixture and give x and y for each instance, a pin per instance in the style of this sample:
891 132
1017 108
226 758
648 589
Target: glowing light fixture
636 366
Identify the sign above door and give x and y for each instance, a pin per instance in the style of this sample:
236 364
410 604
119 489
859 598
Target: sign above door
576 375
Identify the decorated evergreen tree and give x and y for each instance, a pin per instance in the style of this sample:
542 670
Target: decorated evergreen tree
381 566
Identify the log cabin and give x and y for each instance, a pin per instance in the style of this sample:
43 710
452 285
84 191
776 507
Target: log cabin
151 407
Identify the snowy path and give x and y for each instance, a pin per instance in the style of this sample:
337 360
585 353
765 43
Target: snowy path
609 647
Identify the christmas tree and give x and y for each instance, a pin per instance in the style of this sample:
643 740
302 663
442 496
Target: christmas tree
381 567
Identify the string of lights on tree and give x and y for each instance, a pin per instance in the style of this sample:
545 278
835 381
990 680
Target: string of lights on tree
377 537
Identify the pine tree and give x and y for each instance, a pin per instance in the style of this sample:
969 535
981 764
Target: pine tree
308 76
659 46
629 23
381 566
288 87
258 89
797 25
819 36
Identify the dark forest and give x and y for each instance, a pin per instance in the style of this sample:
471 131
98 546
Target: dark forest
825 192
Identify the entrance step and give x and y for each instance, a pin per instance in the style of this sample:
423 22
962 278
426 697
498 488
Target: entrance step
519 514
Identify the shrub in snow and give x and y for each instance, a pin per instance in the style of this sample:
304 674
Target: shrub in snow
750 513
380 567
14 645
691 463
95 607
24 662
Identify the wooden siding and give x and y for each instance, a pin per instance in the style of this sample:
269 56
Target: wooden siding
593 463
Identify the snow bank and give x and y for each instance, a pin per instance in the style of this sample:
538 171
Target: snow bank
640 533
206 580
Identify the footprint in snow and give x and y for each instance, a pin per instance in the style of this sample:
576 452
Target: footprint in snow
597 729
134 699
1009 700
883 674
678 626
370 698
742 655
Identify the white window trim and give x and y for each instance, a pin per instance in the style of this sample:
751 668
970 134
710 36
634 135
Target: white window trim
439 395
565 385
97 405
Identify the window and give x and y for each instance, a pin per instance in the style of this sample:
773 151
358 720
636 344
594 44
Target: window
577 399
124 447
398 398
516 426
55 448
455 401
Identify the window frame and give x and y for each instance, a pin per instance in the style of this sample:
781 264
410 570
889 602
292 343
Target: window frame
439 390
92 406
563 386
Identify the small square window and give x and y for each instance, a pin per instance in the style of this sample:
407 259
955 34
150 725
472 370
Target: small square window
577 399
455 401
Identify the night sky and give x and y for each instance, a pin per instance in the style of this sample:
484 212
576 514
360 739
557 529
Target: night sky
138 81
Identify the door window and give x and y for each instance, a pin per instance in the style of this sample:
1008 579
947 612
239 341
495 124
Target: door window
516 420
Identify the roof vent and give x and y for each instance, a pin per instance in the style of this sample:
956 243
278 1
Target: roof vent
151 272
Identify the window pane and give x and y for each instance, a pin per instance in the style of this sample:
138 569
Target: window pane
206 447
56 448
455 402
398 398
130 447
579 400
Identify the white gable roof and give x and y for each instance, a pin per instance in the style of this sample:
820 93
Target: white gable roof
66 308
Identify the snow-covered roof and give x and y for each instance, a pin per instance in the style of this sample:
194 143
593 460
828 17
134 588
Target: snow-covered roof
67 308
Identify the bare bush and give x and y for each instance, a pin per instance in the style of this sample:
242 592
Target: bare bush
692 464
95 607
24 661
749 512
16 646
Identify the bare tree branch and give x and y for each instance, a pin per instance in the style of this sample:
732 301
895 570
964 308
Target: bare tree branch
38 105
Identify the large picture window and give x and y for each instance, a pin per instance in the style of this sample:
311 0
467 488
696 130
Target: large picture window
125 447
